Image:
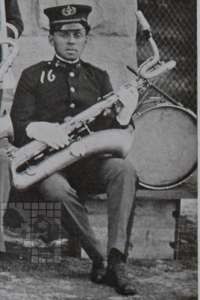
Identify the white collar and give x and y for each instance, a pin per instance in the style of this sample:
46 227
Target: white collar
67 61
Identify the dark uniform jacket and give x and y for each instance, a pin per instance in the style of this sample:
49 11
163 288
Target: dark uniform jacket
13 16
52 90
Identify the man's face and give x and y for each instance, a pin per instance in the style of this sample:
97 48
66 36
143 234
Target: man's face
69 44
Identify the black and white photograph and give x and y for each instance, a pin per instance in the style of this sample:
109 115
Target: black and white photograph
98 150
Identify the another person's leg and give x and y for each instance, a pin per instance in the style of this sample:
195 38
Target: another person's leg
1 93
5 187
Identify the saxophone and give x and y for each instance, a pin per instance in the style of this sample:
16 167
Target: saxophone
112 141
48 161
36 160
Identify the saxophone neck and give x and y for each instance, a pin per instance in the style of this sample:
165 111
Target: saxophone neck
152 67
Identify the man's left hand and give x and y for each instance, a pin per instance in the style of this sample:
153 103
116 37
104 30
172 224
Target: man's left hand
129 100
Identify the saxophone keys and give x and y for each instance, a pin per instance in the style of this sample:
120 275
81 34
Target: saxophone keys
39 156
67 119
30 171
78 149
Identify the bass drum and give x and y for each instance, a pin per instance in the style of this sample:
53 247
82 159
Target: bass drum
164 149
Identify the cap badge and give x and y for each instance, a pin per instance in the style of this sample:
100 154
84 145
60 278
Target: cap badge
68 11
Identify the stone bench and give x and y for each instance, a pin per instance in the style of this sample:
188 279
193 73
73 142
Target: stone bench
155 232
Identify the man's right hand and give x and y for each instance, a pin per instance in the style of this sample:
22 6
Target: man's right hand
50 133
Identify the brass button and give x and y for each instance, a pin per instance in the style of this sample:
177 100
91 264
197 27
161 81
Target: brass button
72 105
71 74
72 89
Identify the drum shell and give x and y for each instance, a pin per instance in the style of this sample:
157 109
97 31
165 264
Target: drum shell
164 150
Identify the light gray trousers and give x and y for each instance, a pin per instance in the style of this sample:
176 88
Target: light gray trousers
114 176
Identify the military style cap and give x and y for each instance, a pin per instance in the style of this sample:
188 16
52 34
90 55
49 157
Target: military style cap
68 14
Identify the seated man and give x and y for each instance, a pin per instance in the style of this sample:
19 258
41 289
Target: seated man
13 17
47 93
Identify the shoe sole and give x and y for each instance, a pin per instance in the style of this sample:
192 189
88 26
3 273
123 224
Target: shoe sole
111 283
126 293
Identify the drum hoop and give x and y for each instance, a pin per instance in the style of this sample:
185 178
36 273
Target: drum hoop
161 105
189 174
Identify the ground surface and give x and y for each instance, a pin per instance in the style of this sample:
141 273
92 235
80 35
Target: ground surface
21 279
155 280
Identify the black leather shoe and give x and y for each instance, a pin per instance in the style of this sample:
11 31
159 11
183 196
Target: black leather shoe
115 276
98 273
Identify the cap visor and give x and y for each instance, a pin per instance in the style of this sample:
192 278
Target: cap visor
71 26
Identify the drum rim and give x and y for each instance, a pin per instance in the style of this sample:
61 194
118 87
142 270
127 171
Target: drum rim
170 186
192 169
161 105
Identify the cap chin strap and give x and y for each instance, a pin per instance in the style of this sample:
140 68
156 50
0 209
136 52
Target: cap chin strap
67 61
